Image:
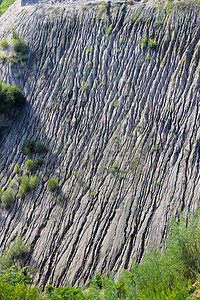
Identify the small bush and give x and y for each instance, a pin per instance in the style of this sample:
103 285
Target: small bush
30 146
38 161
116 103
84 86
29 165
26 185
16 169
7 198
113 168
10 96
152 44
144 41
108 30
19 46
14 34
19 249
4 44
39 147
52 185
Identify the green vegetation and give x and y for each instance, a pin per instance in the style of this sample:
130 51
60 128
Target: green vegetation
4 5
144 41
116 103
18 45
108 30
19 249
16 169
7 198
155 148
31 146
113 168
27 183
38 161
29 165
10 97
52 185
126 93
84 86
152 44
4 44
171 272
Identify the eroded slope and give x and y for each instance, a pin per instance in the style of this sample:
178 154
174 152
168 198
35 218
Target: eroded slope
121 120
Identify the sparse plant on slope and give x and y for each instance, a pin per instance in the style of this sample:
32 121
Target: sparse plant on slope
4 44
19 249
52 185
7 198
18 45
144 41
27 183
10 97
31 146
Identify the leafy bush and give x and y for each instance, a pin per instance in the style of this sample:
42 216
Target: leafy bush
4 5
38 161
39 147
19 46
14 34
29 165
52 185
19 249
84 86
10 96
16 169
31 146
27 184
152 44
4 44
7 198
5 262
144 41
108 30
113 168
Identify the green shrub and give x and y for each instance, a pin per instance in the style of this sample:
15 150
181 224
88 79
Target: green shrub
27 183
116 103
39 147
38 161
4 44
16 169
14 34
5 262
31 146
4 5
52 185
19 249
19 46
108 30
152 44
7 198
84 86
113 168
29 165
144 41
10 96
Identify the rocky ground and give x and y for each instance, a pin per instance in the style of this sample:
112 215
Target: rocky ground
120 115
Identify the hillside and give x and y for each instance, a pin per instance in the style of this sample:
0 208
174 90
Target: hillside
113 91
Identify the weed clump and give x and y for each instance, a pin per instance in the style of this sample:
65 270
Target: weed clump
27 183
31 146
10 97
19 249
7 198
52 185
